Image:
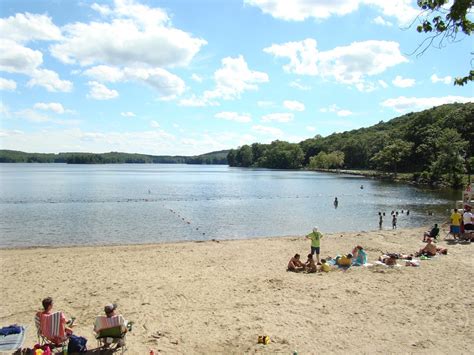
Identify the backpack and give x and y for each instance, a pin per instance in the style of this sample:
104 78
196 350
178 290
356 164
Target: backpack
76 344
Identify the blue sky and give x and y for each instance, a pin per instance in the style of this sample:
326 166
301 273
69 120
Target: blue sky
190 76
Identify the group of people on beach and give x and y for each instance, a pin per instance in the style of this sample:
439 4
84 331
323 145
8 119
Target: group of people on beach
358 256
65 331
394 215
462 225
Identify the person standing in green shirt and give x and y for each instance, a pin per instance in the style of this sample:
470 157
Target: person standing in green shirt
315 237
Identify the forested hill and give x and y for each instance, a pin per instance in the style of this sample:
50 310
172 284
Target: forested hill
13 156
430 143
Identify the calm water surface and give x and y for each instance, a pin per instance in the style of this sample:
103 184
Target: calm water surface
59 204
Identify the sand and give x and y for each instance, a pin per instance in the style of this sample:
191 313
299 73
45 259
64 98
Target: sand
219 296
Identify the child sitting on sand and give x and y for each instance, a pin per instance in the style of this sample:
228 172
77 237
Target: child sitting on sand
325 267
310 266
295 264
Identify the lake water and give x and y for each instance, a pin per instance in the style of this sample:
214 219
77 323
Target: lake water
59 204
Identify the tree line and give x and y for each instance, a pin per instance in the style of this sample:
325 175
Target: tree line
13 156
436 145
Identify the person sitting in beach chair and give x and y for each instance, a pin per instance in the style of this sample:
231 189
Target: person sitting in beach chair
52 327
310 266
433 233
111 328
295 264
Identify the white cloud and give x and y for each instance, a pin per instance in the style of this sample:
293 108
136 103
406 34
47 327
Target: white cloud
300 10
383 84
154 124
348 64
195 101
165 83
234 78
9 133
379 20
196 77
402 103
445 80
303 56
266 130
49 80
293 105
234 116
4 110
28 27
403 82
52 106
298 85
344 113
127 114
278 117
32 116
264 103
337 110
15 58
99 91
310 128
136 35
6 84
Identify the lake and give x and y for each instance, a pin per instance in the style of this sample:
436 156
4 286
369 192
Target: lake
60 204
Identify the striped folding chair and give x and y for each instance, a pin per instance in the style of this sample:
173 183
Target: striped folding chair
111 330
51 328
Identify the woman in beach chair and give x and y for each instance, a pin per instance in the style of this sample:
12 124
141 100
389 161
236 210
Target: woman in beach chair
53 327
111 328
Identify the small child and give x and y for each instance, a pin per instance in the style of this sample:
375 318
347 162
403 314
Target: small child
325 267
310 266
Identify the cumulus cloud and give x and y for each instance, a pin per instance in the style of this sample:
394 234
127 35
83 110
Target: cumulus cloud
403 104
135 35
278 117
16 58
165 83
51 106
196 78
8 85
300 10
99 91
266 130
234 116
234 78
127 114
49 80
337 110
298 85
347 64
403 82
379 20
445 80
293 105
28 27
154 124
383 84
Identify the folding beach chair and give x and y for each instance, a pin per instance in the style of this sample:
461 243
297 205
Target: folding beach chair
51 329
112 330
12 341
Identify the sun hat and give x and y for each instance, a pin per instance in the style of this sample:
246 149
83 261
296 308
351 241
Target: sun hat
109 308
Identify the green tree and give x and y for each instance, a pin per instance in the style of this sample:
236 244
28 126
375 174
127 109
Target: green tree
444 25
389 158
325 160
450 157
231 158
244 156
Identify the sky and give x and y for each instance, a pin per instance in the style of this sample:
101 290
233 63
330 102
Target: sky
186 77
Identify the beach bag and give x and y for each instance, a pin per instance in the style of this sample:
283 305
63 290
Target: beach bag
76 344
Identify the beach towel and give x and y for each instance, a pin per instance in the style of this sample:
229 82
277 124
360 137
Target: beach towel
379 263
12 342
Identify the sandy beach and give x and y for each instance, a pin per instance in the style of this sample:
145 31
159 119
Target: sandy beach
219 296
